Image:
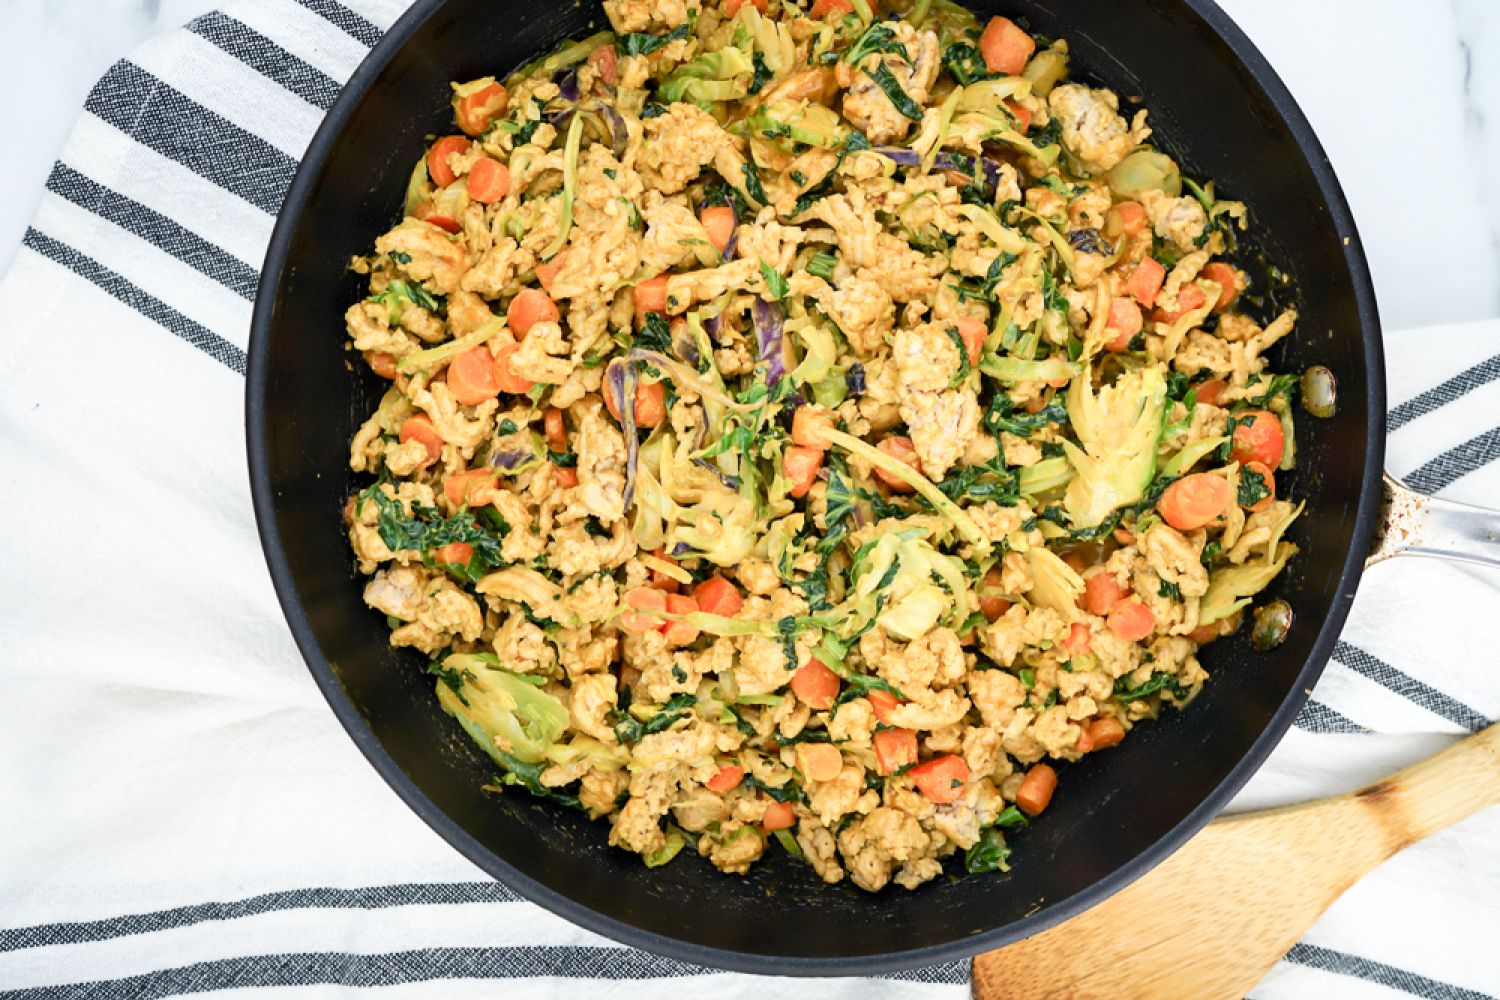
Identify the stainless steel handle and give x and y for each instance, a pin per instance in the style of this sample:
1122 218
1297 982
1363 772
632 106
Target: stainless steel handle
1413 524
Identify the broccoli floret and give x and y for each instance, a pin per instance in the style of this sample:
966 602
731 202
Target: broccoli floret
1119 429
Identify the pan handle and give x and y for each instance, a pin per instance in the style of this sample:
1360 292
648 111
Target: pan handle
1413 524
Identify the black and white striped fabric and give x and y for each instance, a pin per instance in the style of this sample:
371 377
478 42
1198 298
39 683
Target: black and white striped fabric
181 812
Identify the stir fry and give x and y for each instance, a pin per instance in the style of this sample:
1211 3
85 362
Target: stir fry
812 425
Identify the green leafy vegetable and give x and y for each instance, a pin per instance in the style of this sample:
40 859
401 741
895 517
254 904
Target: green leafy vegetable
988 854
964 367
528 775
655 335
822 265
775 283
899 98
762 74
1253 488
630 730
426 528
878 37
1158 682
640 43
964 63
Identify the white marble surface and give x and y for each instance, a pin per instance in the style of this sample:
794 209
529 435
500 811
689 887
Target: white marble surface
1406 99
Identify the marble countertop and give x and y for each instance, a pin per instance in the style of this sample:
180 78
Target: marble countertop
1407 106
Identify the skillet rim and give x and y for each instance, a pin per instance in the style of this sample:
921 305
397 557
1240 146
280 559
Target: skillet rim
263 500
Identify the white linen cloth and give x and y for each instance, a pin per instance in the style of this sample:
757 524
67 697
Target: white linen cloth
179 810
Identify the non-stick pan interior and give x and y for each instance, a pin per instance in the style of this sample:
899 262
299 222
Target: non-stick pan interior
306 400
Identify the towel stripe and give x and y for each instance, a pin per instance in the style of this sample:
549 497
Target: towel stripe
346 20
147 305
270 60
419 965
1409 687
361 898
1441 395
1316 717
1454 464
165 120
1344 964
155 228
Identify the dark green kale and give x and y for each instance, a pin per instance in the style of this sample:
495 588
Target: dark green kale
631 730
641 43
900 99
1253 487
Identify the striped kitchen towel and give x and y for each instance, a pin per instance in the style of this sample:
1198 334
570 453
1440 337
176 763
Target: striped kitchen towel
183 814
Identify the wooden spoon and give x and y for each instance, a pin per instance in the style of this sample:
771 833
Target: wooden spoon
1211 920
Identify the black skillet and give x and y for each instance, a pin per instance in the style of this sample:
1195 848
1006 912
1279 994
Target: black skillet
1217 106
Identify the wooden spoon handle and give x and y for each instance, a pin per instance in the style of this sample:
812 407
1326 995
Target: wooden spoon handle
1438 791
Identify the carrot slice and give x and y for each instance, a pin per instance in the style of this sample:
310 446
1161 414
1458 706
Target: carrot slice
991 602
1145 281
489 181
605 61
1258 437
717 596
1005 47
556 433
465 487
816 685
800 465
474 112
650 404
473 376
727 779
884 703
643 599
530 307
894 749
1209 391
509 380
1078 641
1131 218
1227 278
547 271
1106 731
1188 299
1132 621
808 424
1102 592
650 296
972 332
778 816
899 447
381 364
437 159
941 779
819 761
1036 789
458 553
419 428
1194 501
680 633
718 221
